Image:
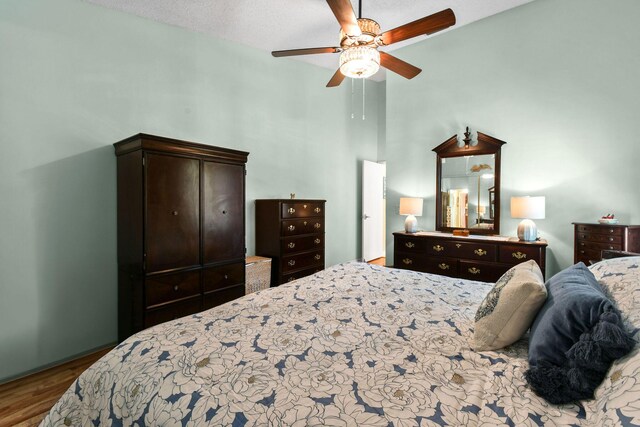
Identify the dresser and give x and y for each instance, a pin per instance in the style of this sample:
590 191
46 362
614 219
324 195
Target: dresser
291 232
591 239
475 258
181 229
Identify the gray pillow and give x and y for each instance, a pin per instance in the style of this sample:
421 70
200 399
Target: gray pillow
510 307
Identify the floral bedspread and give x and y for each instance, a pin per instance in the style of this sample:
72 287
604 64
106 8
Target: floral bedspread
355 344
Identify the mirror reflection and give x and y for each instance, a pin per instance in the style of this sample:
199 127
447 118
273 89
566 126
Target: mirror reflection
467 188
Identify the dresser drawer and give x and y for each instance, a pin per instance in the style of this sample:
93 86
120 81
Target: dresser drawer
223 276
410 244
600 229
515 254
602 238
302 210
301 244
300 274
482 272
300 261
410 261
598 246
172 311
171 287
213 299
441 265
468 250
293 227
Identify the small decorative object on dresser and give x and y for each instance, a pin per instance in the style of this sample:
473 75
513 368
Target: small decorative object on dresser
292 234
591 239
474 258
181 241
411 207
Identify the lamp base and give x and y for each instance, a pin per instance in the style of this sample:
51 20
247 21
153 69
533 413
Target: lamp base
527 231
410 224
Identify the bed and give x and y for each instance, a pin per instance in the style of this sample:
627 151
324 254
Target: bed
355 344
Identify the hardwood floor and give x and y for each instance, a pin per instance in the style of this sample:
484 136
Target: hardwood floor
26 401
378 261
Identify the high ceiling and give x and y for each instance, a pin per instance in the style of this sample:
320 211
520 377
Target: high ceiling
286 24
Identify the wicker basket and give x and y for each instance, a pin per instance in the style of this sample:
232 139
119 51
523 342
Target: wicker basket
258 274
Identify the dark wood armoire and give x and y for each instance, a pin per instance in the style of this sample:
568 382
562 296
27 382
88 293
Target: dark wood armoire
181 229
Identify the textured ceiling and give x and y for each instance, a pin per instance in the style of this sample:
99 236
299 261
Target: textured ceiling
287 24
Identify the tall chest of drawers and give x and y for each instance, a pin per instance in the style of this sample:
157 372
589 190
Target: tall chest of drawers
591 239
465 257
291 232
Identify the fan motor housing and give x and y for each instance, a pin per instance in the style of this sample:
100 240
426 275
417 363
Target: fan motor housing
370 31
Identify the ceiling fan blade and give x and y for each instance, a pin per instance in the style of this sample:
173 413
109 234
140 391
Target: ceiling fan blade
337 78
306 51
427 25
346 16
398 66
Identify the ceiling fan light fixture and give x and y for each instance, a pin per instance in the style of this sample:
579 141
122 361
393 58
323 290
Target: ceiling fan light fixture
359 62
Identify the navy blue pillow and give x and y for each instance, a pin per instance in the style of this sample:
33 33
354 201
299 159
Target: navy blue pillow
575 337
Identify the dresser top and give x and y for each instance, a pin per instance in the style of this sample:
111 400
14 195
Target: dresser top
597 224
292 200
470 238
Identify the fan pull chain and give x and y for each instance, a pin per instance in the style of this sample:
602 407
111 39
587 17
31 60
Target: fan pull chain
363 85
352 95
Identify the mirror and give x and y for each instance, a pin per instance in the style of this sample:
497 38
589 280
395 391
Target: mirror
468 184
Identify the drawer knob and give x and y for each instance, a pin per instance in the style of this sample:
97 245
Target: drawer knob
226 276
318 256
443 266
474 270
409 244
407 261
292 262
317 241
317 225
291 210
175 288
174 213
611 230
581 252
458 245
518 255
317 210
292 245
610 247
480 252
611 239
292 227
438 248
291 279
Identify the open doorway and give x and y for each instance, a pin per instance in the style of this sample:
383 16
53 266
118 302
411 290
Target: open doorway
373 211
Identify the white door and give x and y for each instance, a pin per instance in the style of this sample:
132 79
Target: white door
373 210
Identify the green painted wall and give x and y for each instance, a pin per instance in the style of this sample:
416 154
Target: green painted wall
557 80
74 78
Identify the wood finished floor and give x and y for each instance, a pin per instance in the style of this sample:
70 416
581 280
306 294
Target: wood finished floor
378 261
26 401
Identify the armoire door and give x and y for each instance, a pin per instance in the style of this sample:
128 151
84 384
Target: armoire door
223 214
172 212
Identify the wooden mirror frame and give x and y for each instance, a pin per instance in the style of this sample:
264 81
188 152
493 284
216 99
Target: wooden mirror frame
450 148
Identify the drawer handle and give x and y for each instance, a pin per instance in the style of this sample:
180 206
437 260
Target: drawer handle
292 262
292 245
317 225
611 239
474 270
291 279
226 276
458 245
443 266
292 227
318 256
317 210
611 230
175 288
438 248
480 252
174 213
581 252
407 261
317 241
518 255
610 247
410 244
291 210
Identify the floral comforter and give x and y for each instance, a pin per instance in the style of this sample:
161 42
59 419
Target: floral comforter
355 344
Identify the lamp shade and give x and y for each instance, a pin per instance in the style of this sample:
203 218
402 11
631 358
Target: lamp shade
411 206
528 207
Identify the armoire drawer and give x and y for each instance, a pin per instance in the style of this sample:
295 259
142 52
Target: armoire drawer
216 298
301 210
223 276
172 311
301 244
293 227
171 287
301 261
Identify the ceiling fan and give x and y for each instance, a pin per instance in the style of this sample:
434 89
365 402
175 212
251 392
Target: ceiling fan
360 39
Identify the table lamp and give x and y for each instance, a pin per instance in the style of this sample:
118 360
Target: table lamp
412 207
527 208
